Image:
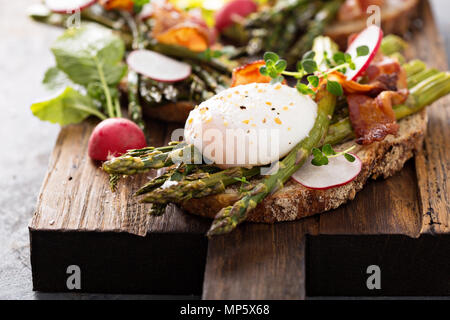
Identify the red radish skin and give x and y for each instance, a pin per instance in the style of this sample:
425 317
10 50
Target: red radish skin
371 37
224 16
157 66
68 6
113 137
338 172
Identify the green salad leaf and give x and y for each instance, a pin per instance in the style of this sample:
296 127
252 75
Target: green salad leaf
89 66
85 53
68 107
55 79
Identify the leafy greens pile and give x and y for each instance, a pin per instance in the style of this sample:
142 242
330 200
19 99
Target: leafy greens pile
88 69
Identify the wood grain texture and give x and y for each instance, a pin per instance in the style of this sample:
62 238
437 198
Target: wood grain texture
259 261
433 162
75 195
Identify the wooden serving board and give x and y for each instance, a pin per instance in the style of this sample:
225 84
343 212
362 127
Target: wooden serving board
400 224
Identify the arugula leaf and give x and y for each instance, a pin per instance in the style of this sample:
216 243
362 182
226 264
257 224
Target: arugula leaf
81 52
68 107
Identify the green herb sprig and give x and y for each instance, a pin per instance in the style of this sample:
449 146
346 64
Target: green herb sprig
321 156
244 182
275 67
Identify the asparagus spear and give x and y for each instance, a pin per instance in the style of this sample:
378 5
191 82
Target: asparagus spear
285 39
147 150
228 218
413 67
315 28
154 183
184 53
208 78
129 165
207 184
175 174
299 19
134 105
420 76
392 44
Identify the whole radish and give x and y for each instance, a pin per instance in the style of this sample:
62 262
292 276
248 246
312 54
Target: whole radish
113 137
242 8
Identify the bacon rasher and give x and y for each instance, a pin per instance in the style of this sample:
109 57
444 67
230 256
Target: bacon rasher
373 118
249 73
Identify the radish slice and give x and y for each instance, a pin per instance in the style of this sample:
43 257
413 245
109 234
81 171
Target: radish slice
337 172
157 66
68 6
370 37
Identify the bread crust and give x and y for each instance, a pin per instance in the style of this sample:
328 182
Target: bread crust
294 201
396 17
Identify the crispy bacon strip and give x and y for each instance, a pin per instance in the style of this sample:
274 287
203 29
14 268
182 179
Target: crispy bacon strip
384 74
175 26
186 35
117 4
249 73
353 87
370 105
373 118
388 71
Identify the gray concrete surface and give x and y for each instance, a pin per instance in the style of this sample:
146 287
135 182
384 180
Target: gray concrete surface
26 142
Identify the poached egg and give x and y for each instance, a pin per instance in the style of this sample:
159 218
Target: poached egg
250 125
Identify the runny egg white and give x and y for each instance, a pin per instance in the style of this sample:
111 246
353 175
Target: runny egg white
250 125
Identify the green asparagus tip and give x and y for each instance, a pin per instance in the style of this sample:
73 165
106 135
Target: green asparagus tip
223 224
392 44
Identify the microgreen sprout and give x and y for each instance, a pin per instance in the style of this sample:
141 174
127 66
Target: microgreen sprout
244 182
209 54
275 67
321 156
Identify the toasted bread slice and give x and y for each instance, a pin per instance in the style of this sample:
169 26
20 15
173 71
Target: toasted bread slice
172 112
396 17
294 201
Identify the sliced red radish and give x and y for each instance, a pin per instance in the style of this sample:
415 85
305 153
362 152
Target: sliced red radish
235 8
370 37
68 6
157 66
337 172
